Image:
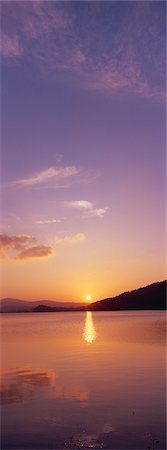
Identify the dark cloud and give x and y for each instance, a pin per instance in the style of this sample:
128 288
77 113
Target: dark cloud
36 251
15 241
10 245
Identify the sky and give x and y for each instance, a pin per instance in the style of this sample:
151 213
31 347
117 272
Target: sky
83 148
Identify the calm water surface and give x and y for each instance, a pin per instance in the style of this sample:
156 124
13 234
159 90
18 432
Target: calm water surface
83 380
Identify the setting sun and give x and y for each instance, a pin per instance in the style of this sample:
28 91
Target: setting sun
88 298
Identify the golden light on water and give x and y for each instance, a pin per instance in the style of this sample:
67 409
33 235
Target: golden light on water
89 330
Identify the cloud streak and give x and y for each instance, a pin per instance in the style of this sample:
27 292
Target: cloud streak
56 177
48 222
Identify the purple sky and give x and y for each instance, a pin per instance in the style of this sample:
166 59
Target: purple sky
83 147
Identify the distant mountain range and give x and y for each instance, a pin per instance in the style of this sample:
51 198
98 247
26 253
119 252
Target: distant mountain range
11 305
152 297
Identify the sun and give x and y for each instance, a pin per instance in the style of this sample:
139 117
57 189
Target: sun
88 298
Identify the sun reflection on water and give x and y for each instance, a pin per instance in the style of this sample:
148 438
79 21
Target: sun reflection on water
89 334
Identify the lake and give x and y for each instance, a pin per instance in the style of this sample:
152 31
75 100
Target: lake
83 380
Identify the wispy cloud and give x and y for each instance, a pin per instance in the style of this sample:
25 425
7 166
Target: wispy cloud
88 208
48 222
10 46
26 22
74 239
123 50
36 251
22 246
81 204
97 212
51 174
56 177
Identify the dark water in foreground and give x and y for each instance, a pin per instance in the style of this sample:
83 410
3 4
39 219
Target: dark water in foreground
83 380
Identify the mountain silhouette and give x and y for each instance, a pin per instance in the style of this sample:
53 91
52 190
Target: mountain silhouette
150 297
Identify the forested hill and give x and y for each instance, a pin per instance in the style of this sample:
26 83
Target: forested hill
149 297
